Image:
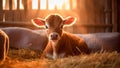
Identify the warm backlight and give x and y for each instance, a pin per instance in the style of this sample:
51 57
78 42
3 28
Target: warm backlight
34 4
41 4
14 4
54 4
21 5
58 4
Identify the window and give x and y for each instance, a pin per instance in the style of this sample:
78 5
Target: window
41 4
14 4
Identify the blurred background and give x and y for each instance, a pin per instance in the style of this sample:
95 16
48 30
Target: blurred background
92 15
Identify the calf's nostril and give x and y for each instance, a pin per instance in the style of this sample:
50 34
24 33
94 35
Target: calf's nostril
54 37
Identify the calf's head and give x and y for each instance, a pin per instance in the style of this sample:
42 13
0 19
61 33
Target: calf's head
54 25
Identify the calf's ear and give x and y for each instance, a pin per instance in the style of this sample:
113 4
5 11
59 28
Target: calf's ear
69 21
38 22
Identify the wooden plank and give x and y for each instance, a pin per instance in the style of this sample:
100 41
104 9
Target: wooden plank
114 15
1 11
9 15
1 8
38 4
25 2
47 5
18 4
99 14
1 15
10 4
16 24
16 15
29 14
23 15
33 14
24 11
19 15
83 28
82 25
89 28
108 14
29 4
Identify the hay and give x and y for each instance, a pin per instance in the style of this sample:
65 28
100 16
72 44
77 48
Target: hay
25 58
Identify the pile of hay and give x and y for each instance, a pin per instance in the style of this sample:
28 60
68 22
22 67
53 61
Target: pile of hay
21 58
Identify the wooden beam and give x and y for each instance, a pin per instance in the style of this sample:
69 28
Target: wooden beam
108 14
114 15
25 2
18 4
17 24
10 4
29 24
1 5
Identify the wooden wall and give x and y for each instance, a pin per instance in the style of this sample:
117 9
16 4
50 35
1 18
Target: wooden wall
92 16
118 15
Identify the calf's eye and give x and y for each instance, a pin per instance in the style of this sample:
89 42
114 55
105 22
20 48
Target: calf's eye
61 27
46 27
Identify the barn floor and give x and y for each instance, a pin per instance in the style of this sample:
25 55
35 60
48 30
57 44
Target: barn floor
21 58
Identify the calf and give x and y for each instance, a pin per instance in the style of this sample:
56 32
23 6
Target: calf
4 46
26 38
60 43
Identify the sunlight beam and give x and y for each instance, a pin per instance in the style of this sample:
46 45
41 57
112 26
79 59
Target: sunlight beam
34 4
43 4
21 4
5 4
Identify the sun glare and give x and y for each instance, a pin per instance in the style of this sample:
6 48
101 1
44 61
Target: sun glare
5 4
58 4
14 4
21 4
74 4
43 5
52 4
34 4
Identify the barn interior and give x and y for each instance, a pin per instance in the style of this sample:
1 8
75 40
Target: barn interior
93 16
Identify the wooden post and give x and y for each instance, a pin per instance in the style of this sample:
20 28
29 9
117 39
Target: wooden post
30 4
1 5
18 4
10 4
9 13
38 5
47 5
108 15
25 10
25 4
1 11
114 15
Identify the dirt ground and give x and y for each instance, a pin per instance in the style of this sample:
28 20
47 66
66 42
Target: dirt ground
24 58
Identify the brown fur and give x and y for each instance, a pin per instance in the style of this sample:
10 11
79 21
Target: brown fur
61 44
69 45
4 46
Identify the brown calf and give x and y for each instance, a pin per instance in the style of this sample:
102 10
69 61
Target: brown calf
4 46
61 43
